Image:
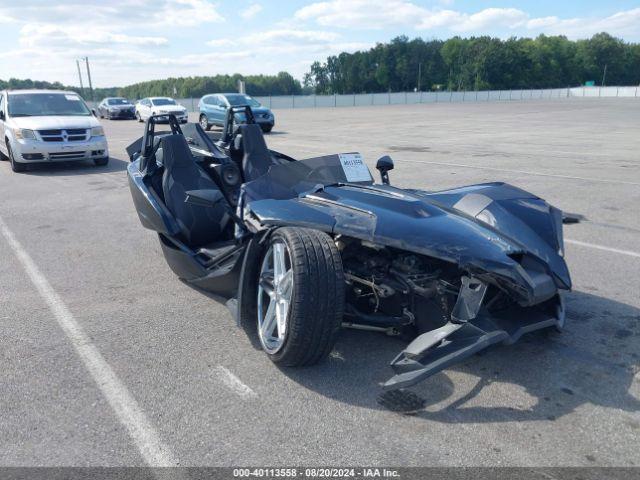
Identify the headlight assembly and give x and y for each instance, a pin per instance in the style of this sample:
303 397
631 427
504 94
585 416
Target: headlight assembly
97 132
24 134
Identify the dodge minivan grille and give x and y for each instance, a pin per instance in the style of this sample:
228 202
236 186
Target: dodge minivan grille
64 135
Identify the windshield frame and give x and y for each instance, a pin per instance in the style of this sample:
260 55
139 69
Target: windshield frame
11 98
292 179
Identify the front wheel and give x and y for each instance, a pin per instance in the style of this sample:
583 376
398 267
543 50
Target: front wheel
204 122
15 166
101 162
267 128
300 297
138 117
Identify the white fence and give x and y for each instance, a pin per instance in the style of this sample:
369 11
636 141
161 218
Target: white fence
408 98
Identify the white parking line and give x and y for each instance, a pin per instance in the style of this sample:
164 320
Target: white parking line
524 172
227 377
144 435
600 247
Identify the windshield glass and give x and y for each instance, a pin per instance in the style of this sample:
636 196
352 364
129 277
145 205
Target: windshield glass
163 101
118 101
293 178
239 99
45 104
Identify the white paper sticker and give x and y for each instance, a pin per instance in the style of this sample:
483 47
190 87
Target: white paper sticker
75 98
354 167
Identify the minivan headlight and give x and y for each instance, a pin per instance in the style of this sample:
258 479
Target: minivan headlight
24 134
97 131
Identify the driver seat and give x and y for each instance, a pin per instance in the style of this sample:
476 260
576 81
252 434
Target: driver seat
256 158
199 225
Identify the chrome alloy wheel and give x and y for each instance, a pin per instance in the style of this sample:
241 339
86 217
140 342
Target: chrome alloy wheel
275 288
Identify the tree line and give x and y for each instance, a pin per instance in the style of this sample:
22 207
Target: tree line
18 84
478 63
183 87
475 63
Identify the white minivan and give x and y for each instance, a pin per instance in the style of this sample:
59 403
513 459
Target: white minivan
39 126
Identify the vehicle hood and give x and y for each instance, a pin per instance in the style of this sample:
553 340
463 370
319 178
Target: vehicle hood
171 108
260 110
507 232
256 111
55 122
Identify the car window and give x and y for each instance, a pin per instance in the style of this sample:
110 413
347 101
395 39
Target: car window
118 101
158 102
46 104
240 99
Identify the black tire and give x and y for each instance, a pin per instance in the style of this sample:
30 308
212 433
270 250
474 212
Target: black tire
267 129
317 302
138 117
15 166
3 157
101 162
100 114
204 122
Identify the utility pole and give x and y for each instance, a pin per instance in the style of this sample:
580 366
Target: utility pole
604 74
80 77
419 74
86 60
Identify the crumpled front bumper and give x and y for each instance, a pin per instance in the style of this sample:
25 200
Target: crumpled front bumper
438 349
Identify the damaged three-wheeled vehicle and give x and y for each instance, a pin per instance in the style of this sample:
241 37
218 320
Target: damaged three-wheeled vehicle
304 248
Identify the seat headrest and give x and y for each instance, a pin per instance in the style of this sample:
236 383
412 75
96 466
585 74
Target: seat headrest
252 138
176 152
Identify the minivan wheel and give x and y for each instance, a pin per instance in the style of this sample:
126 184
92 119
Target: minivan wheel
300 296
204 122
138 117
101 162
15 166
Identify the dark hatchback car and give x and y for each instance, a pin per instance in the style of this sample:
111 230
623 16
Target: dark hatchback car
116 107
213 109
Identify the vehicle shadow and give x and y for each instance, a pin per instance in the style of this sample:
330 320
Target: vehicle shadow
75 168
593 361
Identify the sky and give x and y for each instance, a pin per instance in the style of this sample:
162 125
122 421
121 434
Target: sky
128 41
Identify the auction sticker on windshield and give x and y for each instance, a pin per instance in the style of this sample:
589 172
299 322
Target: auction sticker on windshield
354 167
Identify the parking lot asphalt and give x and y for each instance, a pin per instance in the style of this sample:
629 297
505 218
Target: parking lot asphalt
82 283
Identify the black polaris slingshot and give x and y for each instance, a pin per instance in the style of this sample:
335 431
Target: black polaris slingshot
304 248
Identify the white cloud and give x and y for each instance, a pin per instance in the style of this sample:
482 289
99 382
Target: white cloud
221 43
623 23
287 36
34 34
380 14
251 11
118 14
365 14
490 18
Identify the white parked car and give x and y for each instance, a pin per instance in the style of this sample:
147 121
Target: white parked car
159 105
39 126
